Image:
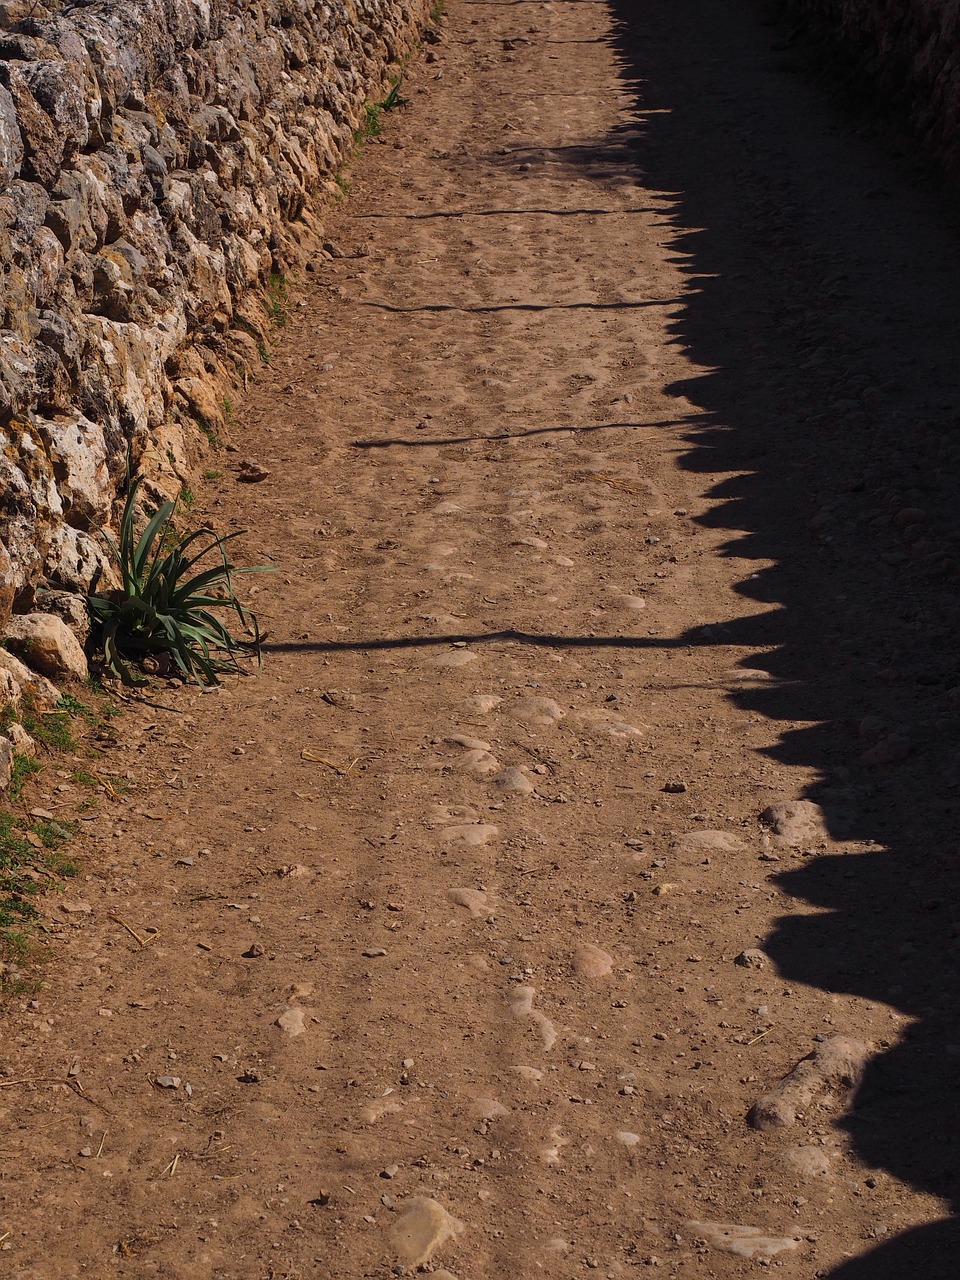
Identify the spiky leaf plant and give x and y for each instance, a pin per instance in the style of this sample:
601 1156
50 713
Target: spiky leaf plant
163 606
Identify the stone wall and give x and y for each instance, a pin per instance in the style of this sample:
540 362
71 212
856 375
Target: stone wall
159 162
910 51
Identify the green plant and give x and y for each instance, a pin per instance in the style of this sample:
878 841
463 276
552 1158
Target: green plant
393 99
206 429
29 862
163 606
277 299
186 497
212 475
23 767
74 707
50 728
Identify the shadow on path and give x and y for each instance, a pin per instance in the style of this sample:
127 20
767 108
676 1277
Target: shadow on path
822 303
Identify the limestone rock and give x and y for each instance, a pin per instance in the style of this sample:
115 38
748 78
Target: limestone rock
6 763
46 643
18 680
23 744
138 242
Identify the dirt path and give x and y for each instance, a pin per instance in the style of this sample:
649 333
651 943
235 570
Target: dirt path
453 899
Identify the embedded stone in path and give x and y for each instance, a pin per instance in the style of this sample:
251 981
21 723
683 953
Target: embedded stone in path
521 1006
512 779
482 704
466 741
591 962
745 1242
489 1109
442 619
535 710
373 1111
604 725
423 1227
556 1139
527 1073
796 822
454 658
479 762
809 1162
834 1067
452 813
707 842
627 1138
471 833
475 901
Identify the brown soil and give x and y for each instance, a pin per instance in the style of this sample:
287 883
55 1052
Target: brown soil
611 495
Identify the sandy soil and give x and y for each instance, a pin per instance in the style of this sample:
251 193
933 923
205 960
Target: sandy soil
611 500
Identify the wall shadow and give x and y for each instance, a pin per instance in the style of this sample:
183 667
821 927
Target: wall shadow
823 275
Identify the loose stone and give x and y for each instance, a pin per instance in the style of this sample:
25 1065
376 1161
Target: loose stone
592 962
292 1023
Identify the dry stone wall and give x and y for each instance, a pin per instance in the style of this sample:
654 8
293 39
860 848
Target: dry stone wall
910 50
159 161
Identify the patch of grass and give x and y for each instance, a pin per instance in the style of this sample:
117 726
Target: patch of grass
370 126
186 497
212 475
122 785
163 607
52 835
227 412
25 872
85 779
277 299
74 707
437 9
342 182
50 728
23 767
207 430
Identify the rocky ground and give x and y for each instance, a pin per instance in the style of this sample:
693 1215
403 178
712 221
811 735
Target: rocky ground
593 818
